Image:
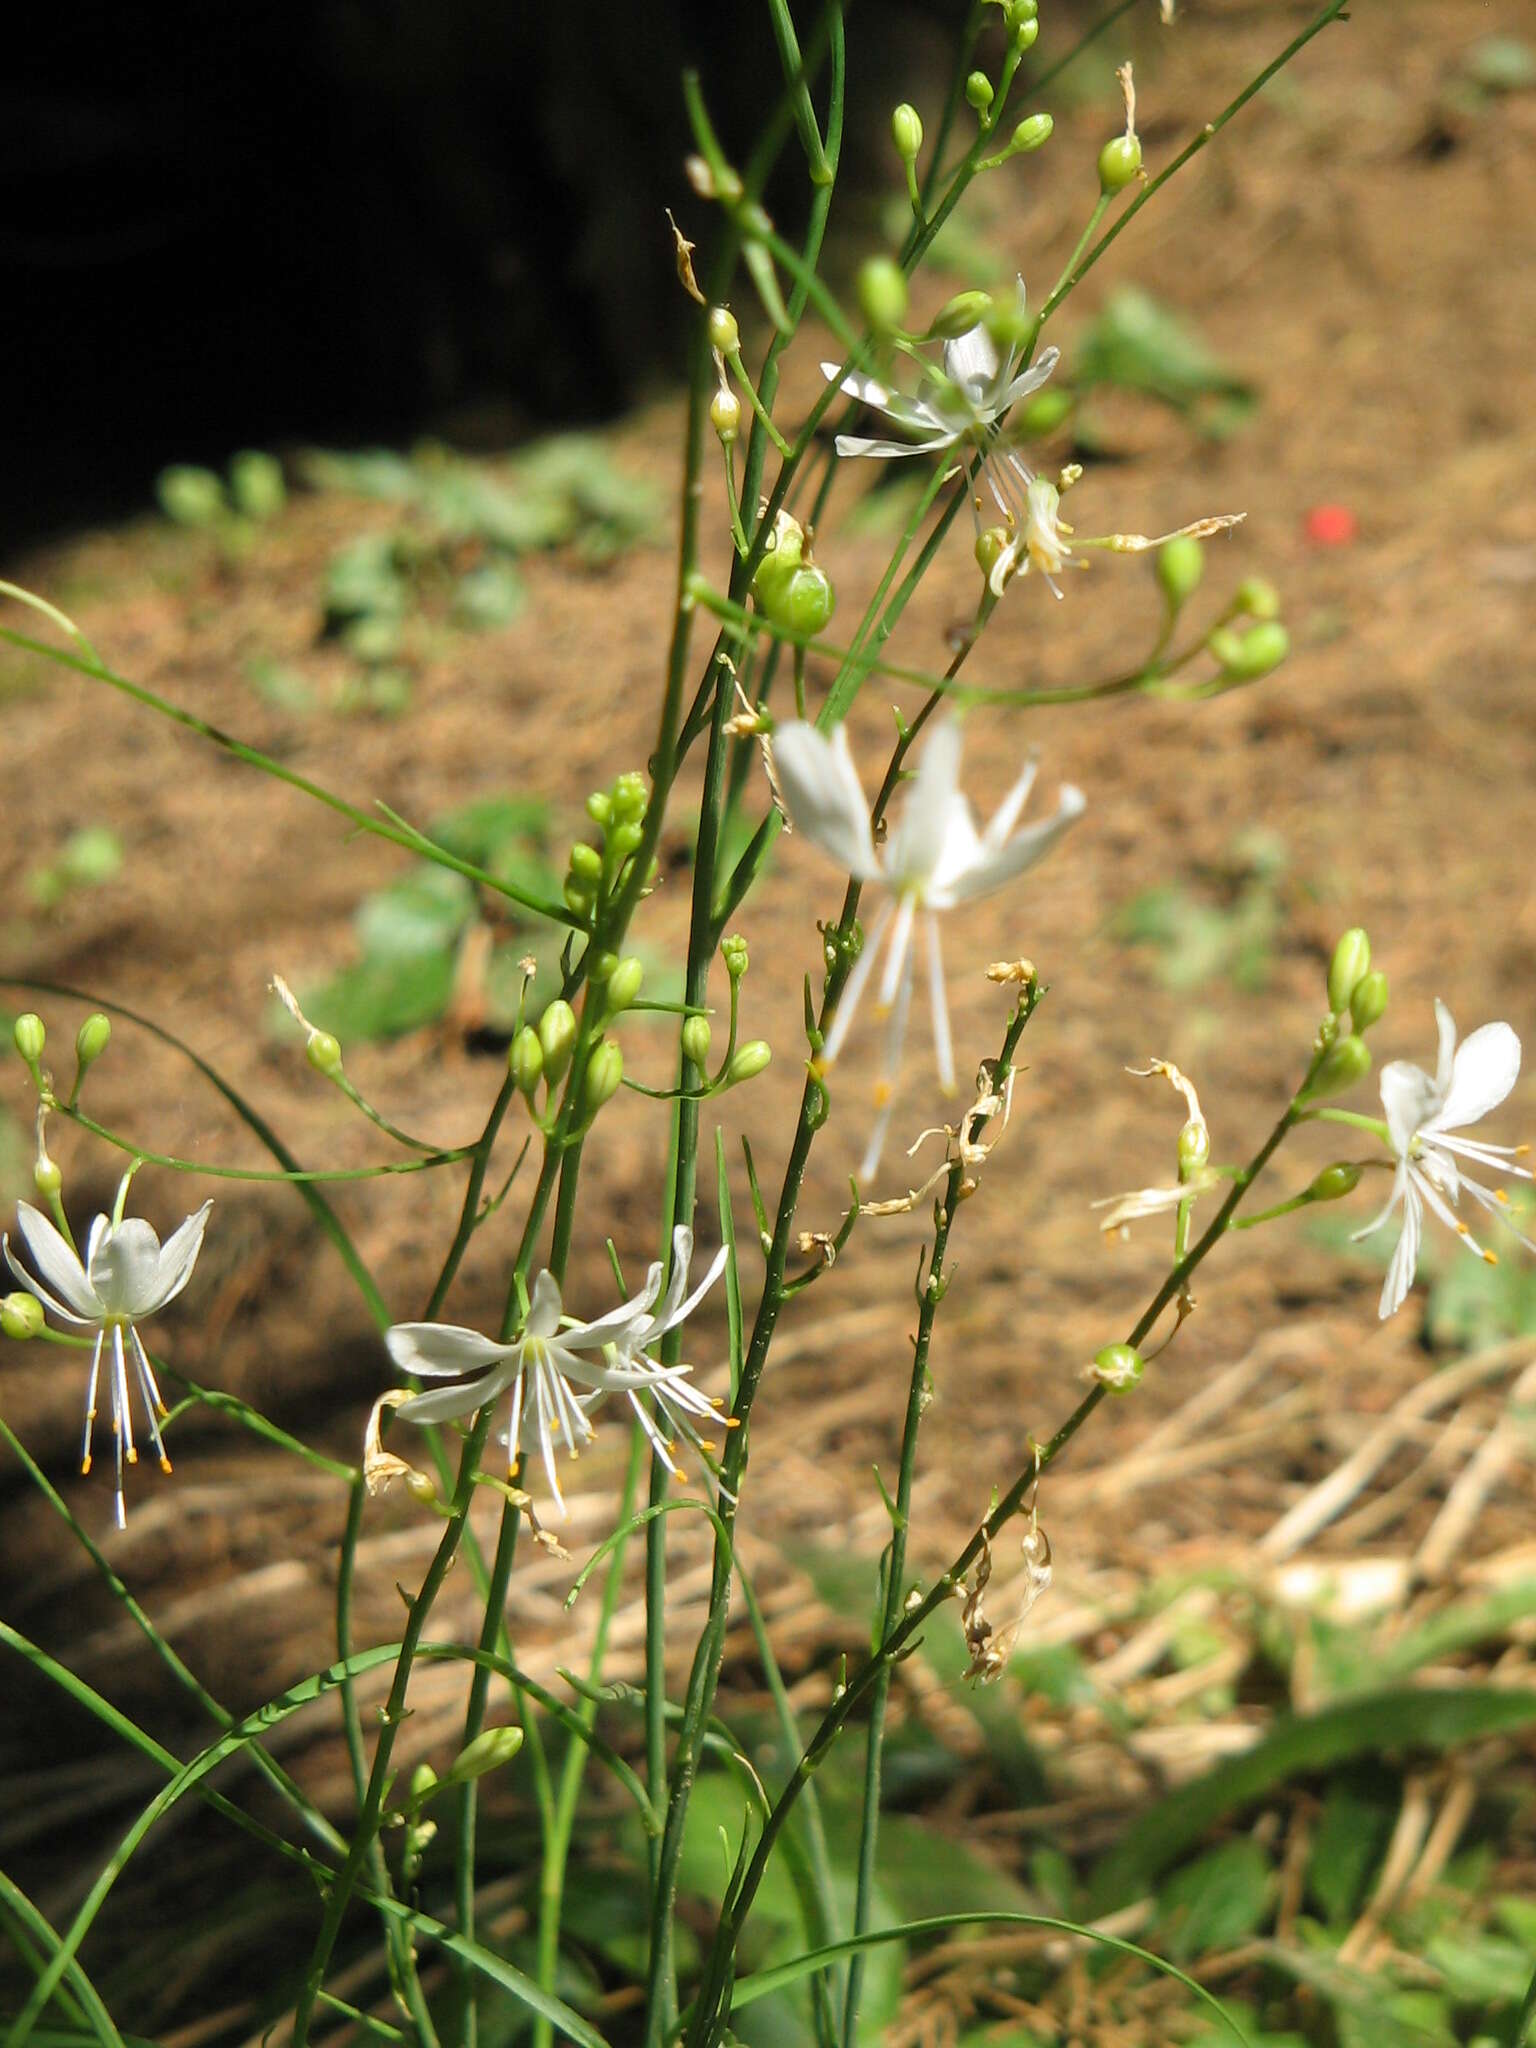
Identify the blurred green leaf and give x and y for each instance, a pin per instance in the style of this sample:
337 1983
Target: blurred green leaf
363 580
89 857
383 997
424 912
1359 1809
284 688
190 496
1136 344
492 595
1215 1902
1480 1969
1501 64
256 484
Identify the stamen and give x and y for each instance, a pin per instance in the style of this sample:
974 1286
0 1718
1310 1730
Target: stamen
883 1093
1490 1258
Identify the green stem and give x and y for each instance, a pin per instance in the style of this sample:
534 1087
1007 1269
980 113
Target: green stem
931 1294
172 1164
1377 1126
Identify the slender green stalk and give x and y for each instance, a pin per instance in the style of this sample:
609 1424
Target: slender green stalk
491 1629
386 1169
930 1294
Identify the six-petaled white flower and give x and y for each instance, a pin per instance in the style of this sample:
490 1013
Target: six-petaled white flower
126 1275
546 1365
964 407
933 858
1424 1112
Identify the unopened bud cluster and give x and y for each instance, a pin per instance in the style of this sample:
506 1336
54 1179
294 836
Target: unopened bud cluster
596 873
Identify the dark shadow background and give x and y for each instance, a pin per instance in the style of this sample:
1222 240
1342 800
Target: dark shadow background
355 220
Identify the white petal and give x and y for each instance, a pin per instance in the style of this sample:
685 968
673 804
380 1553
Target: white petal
897 952
868 390
917 845
35 1287
858 444
1006 816
943 1044
614 1325
670 1319
821 789
544 1307
56 1262
1029 380
1485 1067
1021 852
971 361
853 988
125 1268
1405 1258
1445 1062
448 1404
1410 1098
178 1255
442 1350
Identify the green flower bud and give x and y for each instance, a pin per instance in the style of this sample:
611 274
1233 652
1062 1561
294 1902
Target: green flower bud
605 1070
630 797
491 1748
696 1036
424 1780
1335 1182
906 132
882 290
586 862
1350 963
579 896
92 1038
748 1060
725 415
1368 1000
1258 597
46 1177
624 839
525 1060
991 545
1009 325
1194 1148
1018 12
1119 162
624 983
1118 1367
599 807
809 602
733 951
1033 132
724 334
1342 1066
1026 35
1043 413
21 1316
30 1037
1250 655
978 91
323 1051
959 315
256 484
602 966
557 1039
1180 565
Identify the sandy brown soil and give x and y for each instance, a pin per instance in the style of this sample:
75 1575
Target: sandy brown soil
1360 251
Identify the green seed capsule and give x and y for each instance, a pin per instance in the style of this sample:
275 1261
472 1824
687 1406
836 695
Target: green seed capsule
725 416
1119 1367
1258 597
1119 162
1335 1182
605 1070
809 601
1351 962
30 1037
323 1051
959 315
1194 1148
1256 652
696 1037
21 1316
906 132
624 983
882 292
93 1037
724 334
46 1177
1343 1065
525 1060
991 546
748 1061
1368 1000
1032 133
557 1039
1180 565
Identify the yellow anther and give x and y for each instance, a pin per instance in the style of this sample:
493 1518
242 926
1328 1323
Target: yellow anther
1462 1230
706 1443
1501 1195
1490 1258
85 1464
165 1463
883 1093
733 1422
133 1454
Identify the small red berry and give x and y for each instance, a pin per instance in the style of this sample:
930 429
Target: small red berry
1331 526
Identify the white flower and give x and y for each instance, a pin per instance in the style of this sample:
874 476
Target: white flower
933 858
1039 537
546 1365
127 1275
1422 1113
978 387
